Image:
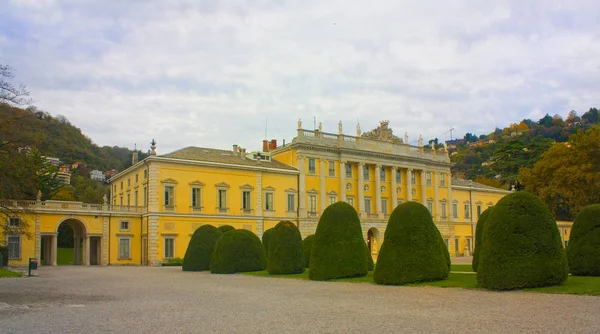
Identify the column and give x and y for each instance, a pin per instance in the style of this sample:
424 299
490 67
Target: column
423 187
409 184
258 211
301 187
450 203
322 188
153 241
38 238
342 181
378 191
361 189
105 221
54 249
76 249
86 250
436 197
393 192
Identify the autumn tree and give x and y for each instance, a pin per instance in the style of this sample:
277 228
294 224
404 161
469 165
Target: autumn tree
567 176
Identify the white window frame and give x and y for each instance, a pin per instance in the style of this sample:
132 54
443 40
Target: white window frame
381 174
246 199
120 255
172 238
444 210
430 207
348 170
13 219
398 176
312 203
479 210
169 199
442 179
366 173
413 177
368 204
312 166
332 199
269 206
135 198
350 200
399 201
11 255
332 168
196 193
128 225
428 178
384 206
455 210
291 202
222 203
467 212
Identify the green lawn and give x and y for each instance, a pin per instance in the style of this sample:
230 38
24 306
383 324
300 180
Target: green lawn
8 273
461 278
66 255
461 267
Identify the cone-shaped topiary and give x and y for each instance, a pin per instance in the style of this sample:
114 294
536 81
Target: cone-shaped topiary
338 248
307 248
285 250
238 251
478 232
199 251
446 253
226 228
413 249
266 239
583 251
370 264
521 246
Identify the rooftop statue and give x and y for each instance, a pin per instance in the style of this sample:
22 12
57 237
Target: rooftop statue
383 132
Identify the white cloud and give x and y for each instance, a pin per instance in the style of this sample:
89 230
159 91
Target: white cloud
210 73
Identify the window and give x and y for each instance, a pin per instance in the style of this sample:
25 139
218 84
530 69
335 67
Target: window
246 200
428 178
332 199
128 199
468 246
456 245
120 200
413 177
124 225
312 205
269 202
124 248
350 200
291 202
145 173
566 243
169 196
384 207
398 176
348 170
467 209
128 182
446 242
366 173
13 242
121 185
442 179
368 205
443 210
169 247
454 210
145 195
14 222
312 167
430 207
222 199
382 174
331 168
399 201
478 210
196 198
136 178
135 198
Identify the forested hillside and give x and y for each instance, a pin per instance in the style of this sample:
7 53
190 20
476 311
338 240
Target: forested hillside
57 137
495 158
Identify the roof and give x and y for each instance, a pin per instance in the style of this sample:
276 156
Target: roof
468 183
222 156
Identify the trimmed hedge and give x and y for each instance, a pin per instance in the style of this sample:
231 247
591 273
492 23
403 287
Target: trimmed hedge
225 228
307 248
238 251
266 239
521 246
413 249
285 250
370 263
338 248
583 251
4 253
199 251
478 234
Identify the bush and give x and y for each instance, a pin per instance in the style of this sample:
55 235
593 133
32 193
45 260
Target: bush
4 253
226 228
307 248
521 246
370 264
266 238
199 251
583 251
338 248
238 251
413 249
285 250
173 262
478 234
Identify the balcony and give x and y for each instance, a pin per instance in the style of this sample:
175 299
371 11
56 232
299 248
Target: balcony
69 206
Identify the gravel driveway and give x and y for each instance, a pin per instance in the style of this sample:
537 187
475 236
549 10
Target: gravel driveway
166 300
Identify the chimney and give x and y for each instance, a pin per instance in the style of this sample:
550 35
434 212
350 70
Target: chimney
235 148
243 153
134 158
265 146
273 144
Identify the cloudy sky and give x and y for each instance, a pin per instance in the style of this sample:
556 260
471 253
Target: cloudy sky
213 73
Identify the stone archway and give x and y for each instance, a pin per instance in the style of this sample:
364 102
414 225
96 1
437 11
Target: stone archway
373 242
77 252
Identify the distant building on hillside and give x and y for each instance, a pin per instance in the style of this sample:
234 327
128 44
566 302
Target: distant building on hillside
97 175
76 164
53 161
64 174
451 144
110 173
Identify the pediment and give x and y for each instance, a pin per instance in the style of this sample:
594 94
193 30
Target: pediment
169 180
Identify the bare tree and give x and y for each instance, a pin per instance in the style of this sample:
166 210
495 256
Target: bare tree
9 93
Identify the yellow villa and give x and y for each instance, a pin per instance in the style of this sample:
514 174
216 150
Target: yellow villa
157 203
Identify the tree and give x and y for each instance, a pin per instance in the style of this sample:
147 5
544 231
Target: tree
572 118
200 249
521 246
266 239
285 250
591 116
307 249
478 234
412 249
9 93
567 176
583 251
545 121
238 251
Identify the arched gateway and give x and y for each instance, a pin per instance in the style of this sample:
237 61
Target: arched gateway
72 243
373 242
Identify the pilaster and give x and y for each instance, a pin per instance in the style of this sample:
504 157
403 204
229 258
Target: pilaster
259 193
361 190
342 181
38 238
437 204
54 248
378 191
394 185
301 187
105 240
409 184
153 241
423 187
86 250
153 187
323 190
450 203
